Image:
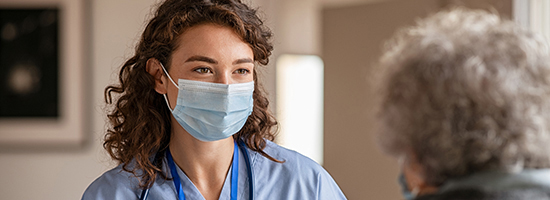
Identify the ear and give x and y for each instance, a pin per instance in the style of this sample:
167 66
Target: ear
415 174
154 68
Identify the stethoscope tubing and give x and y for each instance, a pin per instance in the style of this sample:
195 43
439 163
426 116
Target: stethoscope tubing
249 169
145 193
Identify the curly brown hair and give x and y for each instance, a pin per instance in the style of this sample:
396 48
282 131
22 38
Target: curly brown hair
140 119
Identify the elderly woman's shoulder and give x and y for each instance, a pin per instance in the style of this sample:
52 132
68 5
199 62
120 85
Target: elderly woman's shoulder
538 193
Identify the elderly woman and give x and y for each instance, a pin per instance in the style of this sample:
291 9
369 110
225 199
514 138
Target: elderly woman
466 108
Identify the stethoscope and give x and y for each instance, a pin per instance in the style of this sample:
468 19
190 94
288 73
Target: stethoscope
240 144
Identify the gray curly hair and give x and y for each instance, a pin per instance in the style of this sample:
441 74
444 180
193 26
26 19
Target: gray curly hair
466 91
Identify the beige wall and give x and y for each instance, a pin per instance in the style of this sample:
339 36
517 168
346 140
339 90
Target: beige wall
503 7
352 40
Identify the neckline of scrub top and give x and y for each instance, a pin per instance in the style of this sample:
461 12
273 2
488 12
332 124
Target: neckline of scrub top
234 174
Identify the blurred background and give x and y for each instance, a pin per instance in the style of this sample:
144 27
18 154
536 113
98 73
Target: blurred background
321 82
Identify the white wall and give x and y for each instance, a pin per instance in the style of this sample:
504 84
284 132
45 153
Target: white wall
59 174
113 31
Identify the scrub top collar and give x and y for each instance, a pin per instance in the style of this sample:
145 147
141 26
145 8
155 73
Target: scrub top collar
239 172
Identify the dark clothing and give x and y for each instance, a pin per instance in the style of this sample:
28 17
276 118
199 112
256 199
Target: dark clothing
529 184
477 194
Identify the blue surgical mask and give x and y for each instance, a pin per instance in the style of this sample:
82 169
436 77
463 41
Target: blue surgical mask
405 191
212 111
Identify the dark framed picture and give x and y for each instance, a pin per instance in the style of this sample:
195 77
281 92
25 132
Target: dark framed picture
42 82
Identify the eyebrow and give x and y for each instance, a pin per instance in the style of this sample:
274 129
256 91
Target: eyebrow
243 60
202 59
212 61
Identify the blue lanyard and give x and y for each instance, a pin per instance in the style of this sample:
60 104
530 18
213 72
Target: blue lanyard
234 174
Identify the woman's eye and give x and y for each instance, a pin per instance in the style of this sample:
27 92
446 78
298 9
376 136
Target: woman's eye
242 71
203 70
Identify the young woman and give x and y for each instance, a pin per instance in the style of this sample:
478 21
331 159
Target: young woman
191 120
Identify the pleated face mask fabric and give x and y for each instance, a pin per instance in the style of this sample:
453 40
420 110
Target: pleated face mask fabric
212 111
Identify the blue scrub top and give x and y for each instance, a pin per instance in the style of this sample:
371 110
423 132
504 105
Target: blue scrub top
298 178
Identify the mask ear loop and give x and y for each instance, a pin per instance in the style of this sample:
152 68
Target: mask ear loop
166 72
164 95
415 192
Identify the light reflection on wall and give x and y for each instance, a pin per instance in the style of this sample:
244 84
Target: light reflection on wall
300 104
540 17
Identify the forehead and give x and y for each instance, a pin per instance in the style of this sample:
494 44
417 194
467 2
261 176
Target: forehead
211 40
